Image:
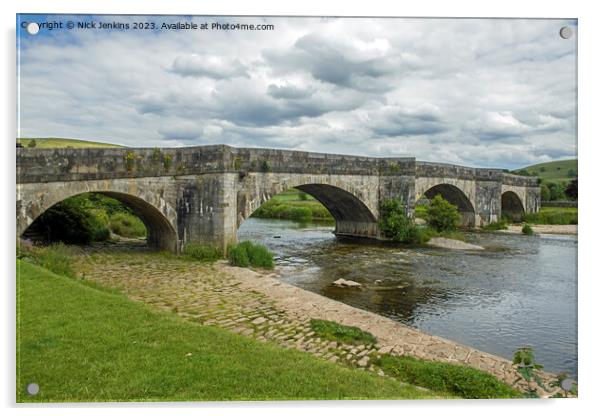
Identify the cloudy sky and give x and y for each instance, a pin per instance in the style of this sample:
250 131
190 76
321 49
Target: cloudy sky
499 93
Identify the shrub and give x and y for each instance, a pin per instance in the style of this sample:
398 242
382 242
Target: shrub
32 143
341 333
127 225
247 254
202 252
396 225
460 380
303 196
527 230
442 215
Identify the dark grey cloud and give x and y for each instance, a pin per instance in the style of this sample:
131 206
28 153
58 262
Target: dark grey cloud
289 92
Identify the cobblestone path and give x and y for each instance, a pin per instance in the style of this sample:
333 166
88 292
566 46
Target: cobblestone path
256 304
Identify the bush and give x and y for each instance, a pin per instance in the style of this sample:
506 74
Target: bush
247 254
342 333
527 230
32 143
441 215
460 380
202 252
72 221
396 225
127 225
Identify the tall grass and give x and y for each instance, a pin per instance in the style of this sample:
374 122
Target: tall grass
56 257
127 225
202 252
552 216
247 254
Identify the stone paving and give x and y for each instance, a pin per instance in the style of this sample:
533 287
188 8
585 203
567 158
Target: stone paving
258 305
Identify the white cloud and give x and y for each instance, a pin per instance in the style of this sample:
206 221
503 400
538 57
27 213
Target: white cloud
472 91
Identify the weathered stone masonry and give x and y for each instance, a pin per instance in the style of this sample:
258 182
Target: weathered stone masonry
203 194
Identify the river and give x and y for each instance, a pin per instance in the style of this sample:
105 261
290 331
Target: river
521 290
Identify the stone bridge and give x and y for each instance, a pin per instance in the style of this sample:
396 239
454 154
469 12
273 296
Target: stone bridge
203 194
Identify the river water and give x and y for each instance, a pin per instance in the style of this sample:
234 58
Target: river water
521 290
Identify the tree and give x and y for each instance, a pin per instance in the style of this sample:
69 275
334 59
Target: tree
32 143
442 215
571 189
571 173
556 191
395 224
545 192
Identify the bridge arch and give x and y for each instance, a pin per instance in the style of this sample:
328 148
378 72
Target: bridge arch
355 209
158 218
457 197
512 206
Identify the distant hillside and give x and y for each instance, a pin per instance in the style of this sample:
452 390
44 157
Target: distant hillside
556 171
53 143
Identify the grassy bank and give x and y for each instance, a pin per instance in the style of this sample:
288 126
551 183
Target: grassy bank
553 216
293 205
84 350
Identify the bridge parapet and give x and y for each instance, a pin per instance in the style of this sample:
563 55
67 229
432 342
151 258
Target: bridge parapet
519 180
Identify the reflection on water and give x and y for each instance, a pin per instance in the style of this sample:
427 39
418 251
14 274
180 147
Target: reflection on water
519 291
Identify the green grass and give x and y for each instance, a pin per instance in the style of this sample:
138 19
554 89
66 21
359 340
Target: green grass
59 143
556 171
495 226
81 344
202 252
553 216
446 378
247 254
341 333
127 225
56 257
289 205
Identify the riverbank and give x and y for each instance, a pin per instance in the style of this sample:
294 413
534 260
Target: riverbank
85 351
259 305
570 229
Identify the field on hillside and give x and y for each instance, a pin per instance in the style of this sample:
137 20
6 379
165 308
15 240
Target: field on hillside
557 171
57 143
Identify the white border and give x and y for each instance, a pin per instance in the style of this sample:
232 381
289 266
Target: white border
589 159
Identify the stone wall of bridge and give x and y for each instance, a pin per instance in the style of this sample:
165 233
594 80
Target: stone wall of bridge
203 194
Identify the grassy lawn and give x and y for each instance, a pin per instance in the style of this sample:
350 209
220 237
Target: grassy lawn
553 216
81 343
54 143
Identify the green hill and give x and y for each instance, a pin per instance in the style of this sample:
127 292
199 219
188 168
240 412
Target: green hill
556 171
55 142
